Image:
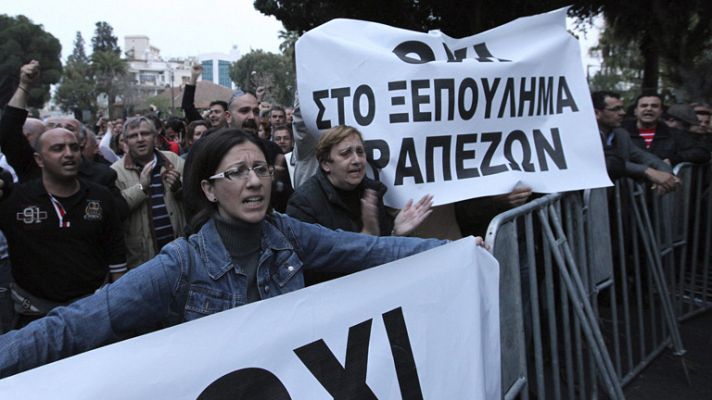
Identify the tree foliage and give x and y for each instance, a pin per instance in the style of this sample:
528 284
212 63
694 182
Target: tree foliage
22 41
273 71
456 18
289 40
674 40
104 39
76 91
108 68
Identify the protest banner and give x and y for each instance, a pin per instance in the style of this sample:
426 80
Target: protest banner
458 118
423 327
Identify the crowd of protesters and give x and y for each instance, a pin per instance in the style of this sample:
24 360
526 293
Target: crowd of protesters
137 223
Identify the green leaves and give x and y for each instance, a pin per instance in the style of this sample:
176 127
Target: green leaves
22 41
273 71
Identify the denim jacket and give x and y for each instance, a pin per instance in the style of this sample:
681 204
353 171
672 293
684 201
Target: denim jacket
192 278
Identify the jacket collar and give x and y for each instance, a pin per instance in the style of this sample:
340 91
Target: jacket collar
217 259
129 163
333 196
661 130
35 188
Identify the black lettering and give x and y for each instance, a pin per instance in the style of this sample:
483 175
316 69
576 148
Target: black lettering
520 137
423 52
246 383
431 142
348 382
408 155
449 85
545 105
467 112
361 119
555 152
402 352
384 153
527 95
461 155
484 55
318 96
564 97
418 99
489 94
397 101
459 55
340 94
495 138
508 97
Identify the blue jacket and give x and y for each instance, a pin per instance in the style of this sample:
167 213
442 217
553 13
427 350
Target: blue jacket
192 278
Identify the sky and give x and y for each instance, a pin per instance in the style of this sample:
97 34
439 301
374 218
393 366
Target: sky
179 28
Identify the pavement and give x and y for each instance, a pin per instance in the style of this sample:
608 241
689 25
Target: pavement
665 378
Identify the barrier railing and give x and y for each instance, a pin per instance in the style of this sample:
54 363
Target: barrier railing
595 311
539 246
691 282
636 308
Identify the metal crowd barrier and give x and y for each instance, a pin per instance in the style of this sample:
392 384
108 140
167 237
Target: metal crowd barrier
594 284
544 242
690 278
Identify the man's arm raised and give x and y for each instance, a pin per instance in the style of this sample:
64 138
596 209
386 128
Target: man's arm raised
13 143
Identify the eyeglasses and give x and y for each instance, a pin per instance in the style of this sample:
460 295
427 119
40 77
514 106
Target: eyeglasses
616 108
243 171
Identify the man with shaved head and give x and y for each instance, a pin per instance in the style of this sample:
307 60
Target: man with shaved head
19 151
63 232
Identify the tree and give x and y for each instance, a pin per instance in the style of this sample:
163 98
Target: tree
107 66
104 39
670 40
273 71
289 40
456 18
21 41
621 67
76 91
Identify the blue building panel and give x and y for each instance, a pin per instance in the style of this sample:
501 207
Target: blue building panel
207 70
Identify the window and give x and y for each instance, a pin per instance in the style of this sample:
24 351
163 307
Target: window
208 70
224 73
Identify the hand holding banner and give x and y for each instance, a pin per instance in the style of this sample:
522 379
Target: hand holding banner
459 118
426 326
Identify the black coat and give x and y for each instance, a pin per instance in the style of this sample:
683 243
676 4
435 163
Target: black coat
673 144
20 155
318 202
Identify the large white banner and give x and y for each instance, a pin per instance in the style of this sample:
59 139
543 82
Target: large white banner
458 118
424 327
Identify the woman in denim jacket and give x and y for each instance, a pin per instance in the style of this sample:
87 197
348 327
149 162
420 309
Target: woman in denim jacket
243 252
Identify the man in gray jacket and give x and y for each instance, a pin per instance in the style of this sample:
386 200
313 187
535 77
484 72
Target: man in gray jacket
638 163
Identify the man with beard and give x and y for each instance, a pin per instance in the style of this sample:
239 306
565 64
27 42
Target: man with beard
63 233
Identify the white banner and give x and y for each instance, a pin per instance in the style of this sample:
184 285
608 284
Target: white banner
458 118
425 327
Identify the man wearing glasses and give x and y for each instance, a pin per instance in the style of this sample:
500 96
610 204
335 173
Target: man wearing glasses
638 164
150 182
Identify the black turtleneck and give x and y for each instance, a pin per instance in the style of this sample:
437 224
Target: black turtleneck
243 242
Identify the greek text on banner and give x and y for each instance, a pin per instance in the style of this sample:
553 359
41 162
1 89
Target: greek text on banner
458 118
426 327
